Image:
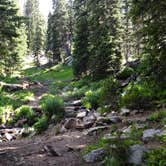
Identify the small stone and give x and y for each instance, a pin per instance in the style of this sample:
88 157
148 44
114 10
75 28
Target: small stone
82 114
95 129
95 155
49 149
70 123
8 136
125 112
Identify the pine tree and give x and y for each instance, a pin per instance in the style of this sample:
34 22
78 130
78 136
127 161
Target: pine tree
105 37
35 29
12 41
81 55
150 17
58 36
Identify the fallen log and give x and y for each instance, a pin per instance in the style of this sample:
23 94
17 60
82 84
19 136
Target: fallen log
12 87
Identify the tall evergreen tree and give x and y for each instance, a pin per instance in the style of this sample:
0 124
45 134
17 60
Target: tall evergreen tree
150 17
81 54
105 37
35 29
58 38
12 37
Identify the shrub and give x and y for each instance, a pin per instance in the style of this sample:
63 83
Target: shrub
41 125
52 105
125 73
25 112
156 157
157 116
110 93
138 97
91 99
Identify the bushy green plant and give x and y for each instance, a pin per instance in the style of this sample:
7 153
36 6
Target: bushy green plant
138 97
157 116
41 125
52 105
156 157
91 99
25 112
125 73
110 93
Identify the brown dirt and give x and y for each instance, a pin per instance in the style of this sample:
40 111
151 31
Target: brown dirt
29 152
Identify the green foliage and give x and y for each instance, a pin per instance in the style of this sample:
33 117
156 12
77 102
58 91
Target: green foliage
12 37
156 157
52 105
41 125
110 93
157 116
25 112
91 99
138 97
151 34
125 73
56 42
81 52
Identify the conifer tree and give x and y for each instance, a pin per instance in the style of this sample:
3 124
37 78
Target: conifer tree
12 37
150 17
80 55
105 37
35 29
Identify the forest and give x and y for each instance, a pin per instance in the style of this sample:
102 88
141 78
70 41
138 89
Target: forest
86 86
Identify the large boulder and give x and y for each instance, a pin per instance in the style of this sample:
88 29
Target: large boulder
150 133
136 153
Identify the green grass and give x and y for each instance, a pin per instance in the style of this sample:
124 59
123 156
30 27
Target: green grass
55 73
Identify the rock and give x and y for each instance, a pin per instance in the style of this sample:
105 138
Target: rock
115 137
49 149
21 123
2 126
150 133
81 114
70 112
136 153
127 129
11 87
65 89
8 136
125 112
95 155
76 103
75 148
95 129
62 130
109 120
90 118
70 123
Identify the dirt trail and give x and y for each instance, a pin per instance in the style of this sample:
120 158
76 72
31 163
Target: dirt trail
31 152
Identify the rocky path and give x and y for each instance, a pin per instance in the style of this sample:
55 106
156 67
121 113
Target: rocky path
60 148
62 145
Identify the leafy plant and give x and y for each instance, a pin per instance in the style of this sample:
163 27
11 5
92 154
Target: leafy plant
157 116
156 157
52 105
91 99
25 112
41 125
138 97
110 93
125 73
